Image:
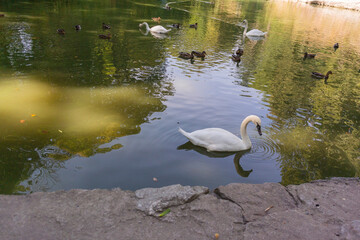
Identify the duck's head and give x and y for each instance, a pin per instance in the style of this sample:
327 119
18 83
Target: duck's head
203 52
328 73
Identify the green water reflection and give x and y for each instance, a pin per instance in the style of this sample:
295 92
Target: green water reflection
66 96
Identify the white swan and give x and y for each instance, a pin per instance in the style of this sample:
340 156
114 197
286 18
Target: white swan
155 29
220 140
253 32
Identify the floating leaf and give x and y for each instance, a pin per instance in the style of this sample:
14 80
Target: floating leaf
164 212
33 115
60 131
22 121
155 179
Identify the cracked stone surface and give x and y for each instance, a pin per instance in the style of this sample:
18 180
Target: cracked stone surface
325 209
152 200
255 198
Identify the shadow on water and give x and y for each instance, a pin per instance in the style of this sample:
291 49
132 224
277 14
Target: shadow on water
237 156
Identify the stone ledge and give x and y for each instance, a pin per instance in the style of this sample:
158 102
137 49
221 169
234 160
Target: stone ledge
324 209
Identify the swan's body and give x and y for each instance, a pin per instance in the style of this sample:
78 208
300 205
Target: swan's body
155 29
253 32
220 140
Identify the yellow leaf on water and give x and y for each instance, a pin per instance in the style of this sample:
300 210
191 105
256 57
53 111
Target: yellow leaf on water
60 131
33 115
22 121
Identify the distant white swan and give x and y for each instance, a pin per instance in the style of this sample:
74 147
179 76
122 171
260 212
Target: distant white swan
220 140
253 32
155 29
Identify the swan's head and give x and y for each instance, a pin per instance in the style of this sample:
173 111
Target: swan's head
257 122
244 23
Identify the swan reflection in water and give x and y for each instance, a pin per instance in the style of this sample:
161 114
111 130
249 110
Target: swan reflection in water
154 34
243 173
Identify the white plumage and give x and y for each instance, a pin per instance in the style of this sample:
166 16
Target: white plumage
220 140
155 29
253 32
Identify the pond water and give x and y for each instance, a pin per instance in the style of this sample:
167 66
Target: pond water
78 111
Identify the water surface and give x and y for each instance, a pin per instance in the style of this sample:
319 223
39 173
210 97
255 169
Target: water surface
82 112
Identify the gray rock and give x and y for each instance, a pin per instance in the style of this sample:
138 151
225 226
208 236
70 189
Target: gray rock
256 198
200 219
114 214
351 231
286 225
152 200
337 199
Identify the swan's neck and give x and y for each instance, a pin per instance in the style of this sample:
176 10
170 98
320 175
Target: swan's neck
147 26
245 30
244 136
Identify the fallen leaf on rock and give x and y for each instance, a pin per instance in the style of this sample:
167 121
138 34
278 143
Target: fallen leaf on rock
216 235
269 208
164 212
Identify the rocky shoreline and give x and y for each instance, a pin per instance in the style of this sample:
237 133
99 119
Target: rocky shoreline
323 209
345 4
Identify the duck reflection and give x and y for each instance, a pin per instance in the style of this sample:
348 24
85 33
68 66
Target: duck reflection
237 155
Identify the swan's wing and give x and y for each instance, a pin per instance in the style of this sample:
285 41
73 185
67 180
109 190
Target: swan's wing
256 33
210 136
159 29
